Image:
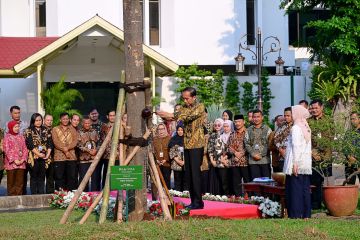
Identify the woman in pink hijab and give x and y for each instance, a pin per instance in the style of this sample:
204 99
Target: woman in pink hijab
297 165
16 155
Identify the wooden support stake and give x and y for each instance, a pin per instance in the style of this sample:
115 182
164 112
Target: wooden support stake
91 208
132 154
86 179
162 196
114 146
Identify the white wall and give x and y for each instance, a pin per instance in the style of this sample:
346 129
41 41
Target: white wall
64 15
280 88
21 92
17 18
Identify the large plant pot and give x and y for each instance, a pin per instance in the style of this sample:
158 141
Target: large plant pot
341 200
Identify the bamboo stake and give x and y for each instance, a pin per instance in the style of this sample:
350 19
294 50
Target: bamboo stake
162 196
91 208
135 149
87 176
120 199
114 146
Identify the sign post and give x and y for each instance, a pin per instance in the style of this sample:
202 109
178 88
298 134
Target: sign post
127 178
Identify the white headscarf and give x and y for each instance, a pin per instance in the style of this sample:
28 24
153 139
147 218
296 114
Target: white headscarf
221 121
225 136
299 116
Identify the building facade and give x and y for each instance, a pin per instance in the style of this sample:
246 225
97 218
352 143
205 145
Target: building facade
205 32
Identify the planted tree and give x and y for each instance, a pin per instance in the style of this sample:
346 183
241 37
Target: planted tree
58 98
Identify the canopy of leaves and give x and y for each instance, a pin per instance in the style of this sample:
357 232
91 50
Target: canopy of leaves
336 45
58 99
209 85
248 101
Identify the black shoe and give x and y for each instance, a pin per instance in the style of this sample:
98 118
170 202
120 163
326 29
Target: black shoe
190 206
198 207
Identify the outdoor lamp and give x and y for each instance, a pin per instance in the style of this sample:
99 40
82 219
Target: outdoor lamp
239 63
279 64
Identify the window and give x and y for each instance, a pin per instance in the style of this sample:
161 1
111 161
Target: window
40 16
250 21
299 34
154 22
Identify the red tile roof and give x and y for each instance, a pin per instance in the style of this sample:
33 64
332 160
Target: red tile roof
13 50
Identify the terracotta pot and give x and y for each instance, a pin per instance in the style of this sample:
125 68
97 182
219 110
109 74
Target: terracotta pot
341 200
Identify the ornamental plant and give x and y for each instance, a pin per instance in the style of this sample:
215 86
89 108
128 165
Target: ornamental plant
232 95
209 85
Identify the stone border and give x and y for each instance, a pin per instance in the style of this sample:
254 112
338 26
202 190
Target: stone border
24 202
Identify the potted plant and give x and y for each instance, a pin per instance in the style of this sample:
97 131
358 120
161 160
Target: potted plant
340 200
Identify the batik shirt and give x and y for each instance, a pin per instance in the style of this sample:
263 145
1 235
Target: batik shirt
176 151
193 118
257 142
281 137
64 138
97 126
236 143
39 139
216 148
88 140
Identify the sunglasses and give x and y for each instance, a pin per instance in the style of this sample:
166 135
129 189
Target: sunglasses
217 125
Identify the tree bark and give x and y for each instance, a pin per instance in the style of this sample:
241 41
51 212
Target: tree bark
134 71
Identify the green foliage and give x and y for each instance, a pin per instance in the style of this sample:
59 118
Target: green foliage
336 45
214 112
155 101
58 99
209 85
232 95
333 135
266 94
248 101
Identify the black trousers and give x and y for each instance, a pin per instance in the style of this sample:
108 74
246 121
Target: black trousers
65 175
37 176
50 187
193 161
223 175
280 167
260 170
205 181
95 177
166 173
298 196
317 193
1 174
180 181
239 174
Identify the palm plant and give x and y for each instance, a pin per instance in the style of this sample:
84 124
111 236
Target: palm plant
58 99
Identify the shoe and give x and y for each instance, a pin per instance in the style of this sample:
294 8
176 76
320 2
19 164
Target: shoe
190 206
198 207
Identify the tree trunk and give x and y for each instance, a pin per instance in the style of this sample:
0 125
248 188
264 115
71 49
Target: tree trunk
134 71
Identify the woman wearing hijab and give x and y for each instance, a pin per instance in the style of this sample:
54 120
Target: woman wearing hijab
161 152
297 165
215 149
16 154
176 153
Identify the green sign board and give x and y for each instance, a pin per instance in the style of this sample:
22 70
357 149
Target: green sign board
126 177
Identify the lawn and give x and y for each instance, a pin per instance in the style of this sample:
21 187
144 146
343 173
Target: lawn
44 225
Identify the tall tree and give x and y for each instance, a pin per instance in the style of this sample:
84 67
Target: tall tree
232 95
336 46
135 102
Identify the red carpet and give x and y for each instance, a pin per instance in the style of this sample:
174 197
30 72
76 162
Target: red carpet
223 209
218 209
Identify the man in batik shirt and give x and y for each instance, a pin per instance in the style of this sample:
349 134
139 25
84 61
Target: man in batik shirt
280 139
88 146
192 114
239 163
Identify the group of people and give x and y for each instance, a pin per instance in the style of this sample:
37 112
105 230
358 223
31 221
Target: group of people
204 157
218 157
56 157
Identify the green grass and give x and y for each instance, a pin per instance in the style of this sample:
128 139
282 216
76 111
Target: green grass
45 225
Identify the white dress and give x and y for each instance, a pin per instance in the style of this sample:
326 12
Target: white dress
297 151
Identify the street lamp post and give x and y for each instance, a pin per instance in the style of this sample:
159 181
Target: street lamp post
260 56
